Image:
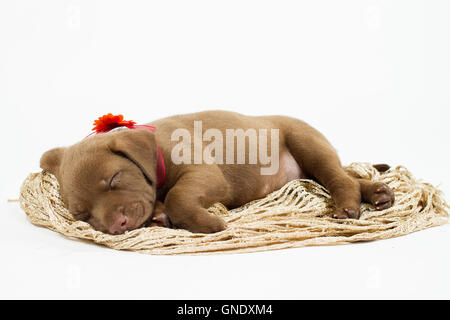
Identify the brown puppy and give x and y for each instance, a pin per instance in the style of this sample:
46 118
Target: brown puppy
109 180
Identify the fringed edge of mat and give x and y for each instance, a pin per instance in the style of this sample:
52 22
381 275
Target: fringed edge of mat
295 216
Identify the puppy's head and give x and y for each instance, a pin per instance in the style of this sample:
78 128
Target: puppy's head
108 180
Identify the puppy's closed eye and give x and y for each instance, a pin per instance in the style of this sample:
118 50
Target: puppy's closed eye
123 155
114 181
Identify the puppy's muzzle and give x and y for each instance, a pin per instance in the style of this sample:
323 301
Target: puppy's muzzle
128 219
119 225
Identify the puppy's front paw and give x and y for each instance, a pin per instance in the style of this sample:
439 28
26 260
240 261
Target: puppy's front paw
160 219
208 224
346 213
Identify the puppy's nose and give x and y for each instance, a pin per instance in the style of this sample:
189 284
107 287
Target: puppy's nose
119 225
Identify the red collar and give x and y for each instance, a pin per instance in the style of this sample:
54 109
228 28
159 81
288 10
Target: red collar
160 166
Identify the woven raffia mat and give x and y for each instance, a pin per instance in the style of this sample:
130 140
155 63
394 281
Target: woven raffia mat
297 215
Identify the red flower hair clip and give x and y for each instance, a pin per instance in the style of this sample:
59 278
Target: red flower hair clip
109 122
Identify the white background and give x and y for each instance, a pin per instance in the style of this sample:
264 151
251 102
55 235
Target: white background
373 76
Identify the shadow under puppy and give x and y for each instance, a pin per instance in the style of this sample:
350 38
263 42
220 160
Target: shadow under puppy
110 180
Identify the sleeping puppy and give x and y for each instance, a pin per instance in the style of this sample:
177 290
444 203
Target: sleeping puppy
112 180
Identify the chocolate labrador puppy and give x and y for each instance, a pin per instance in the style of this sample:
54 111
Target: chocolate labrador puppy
126 179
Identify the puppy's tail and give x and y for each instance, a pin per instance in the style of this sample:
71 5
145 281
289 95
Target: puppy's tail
382 167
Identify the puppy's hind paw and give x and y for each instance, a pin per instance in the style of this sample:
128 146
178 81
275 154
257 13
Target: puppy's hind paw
346 213
382 196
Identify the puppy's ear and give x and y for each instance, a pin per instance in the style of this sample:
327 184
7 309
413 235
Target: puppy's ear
139 146
51 160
